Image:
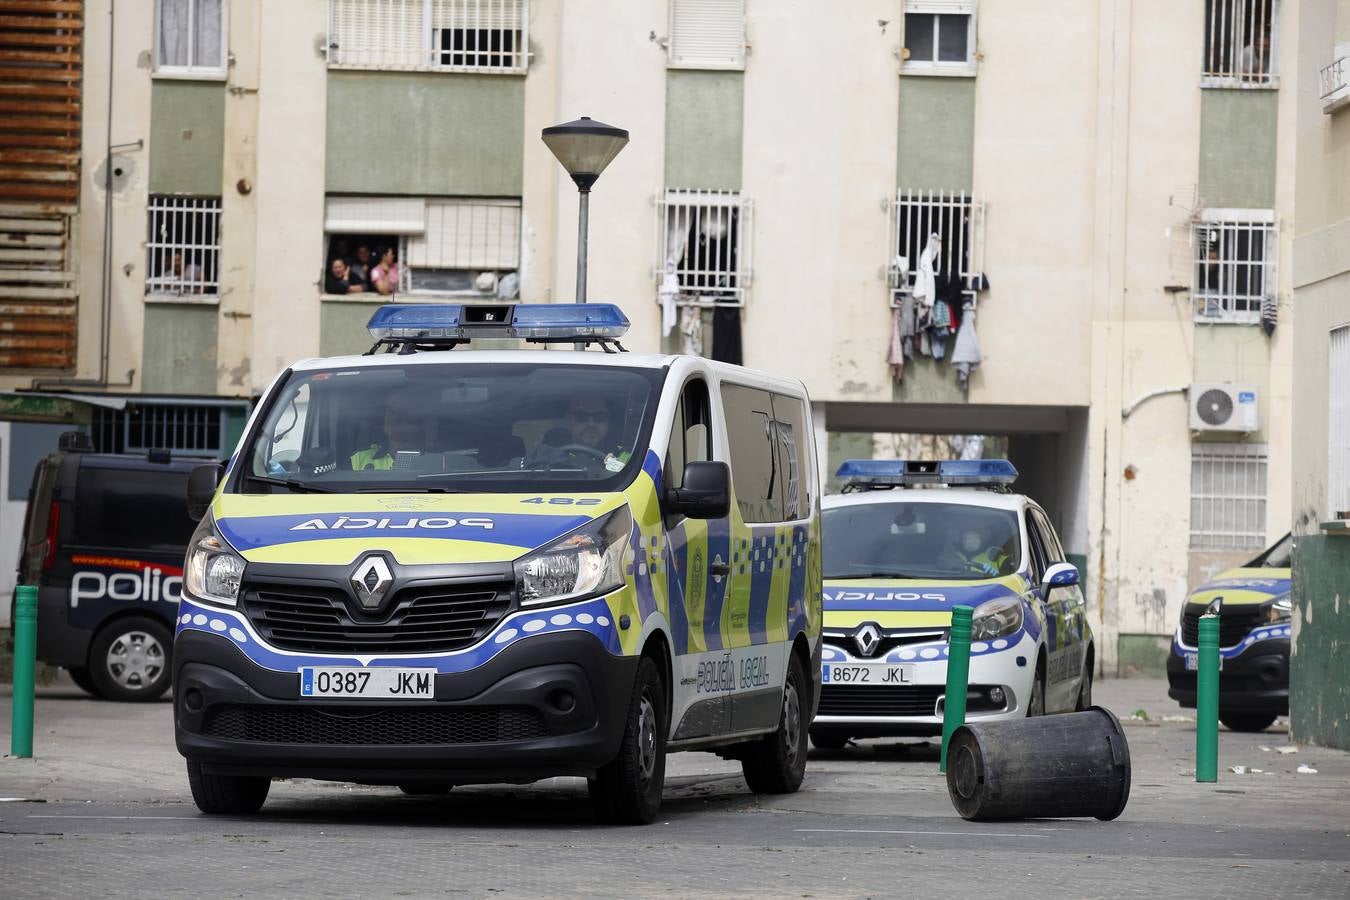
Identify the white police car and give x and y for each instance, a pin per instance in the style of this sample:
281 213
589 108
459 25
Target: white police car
906 542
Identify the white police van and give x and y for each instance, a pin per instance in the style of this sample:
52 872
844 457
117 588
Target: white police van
904 543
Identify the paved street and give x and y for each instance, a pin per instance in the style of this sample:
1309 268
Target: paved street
105 802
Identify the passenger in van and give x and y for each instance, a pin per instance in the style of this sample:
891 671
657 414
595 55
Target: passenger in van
407 430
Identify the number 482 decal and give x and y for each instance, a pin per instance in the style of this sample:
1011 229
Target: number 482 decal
564 501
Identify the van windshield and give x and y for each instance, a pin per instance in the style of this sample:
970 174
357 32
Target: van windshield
458 427
948 541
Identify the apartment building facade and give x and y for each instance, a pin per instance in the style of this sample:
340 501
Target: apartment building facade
1100 192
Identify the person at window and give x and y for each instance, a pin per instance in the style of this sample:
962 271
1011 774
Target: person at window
1254 61
185 277
340 280
977 552
407 430
384 277
360 265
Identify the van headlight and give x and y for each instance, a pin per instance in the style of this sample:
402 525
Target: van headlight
1277 610
582 563
996 618
213 570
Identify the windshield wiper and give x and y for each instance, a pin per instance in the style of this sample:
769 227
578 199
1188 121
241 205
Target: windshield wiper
408 490
299 487
875 575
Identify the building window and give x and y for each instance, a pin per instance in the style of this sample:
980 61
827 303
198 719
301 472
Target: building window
1234 255
182 248
190 37
939 37
705 243
707 34
1338 425
1240 43
187 429
952 222
430 35
442 246
1228 496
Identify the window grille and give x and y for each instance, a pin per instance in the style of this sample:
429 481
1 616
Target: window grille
1228 496
1334 80
958 221
705 236
1338 424
190 36
707 34
939 34
187 429
1235 252
1241 42
183 246
430 35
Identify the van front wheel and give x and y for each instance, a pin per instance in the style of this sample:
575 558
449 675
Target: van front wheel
227 795
129 659
627 790
776 763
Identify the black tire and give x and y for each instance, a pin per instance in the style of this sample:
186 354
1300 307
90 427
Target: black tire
80 675
1246 721
426 790
822 739
1085 686
627 790
130 659
1036 702
227 795
776 763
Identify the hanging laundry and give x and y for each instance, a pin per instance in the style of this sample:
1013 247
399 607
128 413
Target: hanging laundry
691 331
669 294
727 332
925 287
898 349
966 352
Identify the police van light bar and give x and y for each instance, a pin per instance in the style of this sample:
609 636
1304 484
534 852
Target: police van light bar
458 322
900 472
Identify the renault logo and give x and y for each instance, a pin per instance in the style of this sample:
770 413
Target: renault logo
371 579
867 638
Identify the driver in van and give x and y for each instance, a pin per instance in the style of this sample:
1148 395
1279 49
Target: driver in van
407 429
586 437
977 551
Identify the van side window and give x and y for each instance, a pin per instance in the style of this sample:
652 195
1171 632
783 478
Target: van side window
690 433
1053 552
790 429
132 509
1037 554
749 418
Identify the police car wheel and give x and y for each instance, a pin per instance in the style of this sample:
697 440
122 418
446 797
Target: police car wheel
1085 687
228 795
129 659
1237 721
627 790
1036 705
776 763
83 680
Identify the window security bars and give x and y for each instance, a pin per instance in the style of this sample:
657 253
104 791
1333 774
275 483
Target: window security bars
1234 258
1334 80
705 239
431 35
1240 42
184 429
1338 425
1228 496
183 246
958 221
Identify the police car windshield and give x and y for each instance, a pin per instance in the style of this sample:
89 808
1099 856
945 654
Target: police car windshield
467 427
948 541
1277 556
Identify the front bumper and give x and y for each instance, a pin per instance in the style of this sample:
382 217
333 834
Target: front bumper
551 704
915 709
1255 680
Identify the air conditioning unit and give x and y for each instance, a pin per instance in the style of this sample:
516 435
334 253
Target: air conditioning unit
1223 407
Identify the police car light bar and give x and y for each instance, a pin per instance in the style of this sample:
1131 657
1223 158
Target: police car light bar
899 472
455 323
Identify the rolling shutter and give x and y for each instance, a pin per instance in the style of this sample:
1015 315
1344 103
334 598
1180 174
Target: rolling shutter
465 234
707 34
40 67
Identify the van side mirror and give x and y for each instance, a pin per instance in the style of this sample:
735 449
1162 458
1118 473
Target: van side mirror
1059 575
706 493
201 487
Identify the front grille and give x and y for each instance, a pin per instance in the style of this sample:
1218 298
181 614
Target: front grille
418 619
855 700
889 642
347 726
1233 626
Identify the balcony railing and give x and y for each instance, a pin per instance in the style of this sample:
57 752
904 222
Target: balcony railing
1334 80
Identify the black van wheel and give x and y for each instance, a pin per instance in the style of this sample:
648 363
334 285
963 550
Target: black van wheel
83 680
129 659
776 763
227 795
1240 721
627 790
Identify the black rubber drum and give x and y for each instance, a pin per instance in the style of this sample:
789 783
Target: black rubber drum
1045 767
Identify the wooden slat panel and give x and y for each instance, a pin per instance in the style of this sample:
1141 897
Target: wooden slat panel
38 193
40 23
54 313
34 293
45 123
41 6
31 174
39 107
32 276
36 342
71 58
38 226
31 255
31 241
9 89
23 360
36 323
9 158
34 73
52 141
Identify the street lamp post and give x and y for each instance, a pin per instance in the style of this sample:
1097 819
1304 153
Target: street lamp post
584 147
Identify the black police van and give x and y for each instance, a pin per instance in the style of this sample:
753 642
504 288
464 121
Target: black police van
104 540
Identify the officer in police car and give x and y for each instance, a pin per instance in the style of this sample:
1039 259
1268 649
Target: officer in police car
407 428
977 552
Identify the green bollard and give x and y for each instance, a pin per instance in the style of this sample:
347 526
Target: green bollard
1207 702
958 678
25 662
